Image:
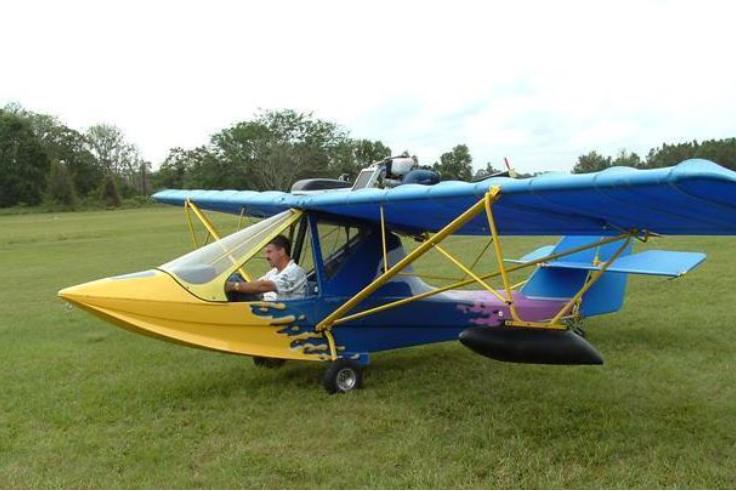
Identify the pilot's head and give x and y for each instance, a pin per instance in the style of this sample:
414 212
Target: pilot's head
278 251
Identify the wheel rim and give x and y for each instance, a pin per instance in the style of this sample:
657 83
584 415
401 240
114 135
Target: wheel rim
346 379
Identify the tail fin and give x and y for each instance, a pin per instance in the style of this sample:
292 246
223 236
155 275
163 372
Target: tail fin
561 279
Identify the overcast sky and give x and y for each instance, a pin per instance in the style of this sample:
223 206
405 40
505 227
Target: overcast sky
540 82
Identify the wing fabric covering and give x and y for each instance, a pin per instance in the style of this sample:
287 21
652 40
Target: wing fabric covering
695 197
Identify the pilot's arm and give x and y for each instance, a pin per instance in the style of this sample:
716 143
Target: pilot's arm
257 286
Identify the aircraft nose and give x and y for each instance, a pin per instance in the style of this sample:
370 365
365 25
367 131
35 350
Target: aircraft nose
83 293
69 294
132 299
145 285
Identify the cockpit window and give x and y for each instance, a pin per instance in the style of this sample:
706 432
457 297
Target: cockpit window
207 263
337 243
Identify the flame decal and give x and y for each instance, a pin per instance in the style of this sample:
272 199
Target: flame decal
297 328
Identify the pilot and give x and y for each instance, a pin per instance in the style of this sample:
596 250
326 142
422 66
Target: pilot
286 279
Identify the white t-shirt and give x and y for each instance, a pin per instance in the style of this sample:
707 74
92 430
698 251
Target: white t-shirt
291 282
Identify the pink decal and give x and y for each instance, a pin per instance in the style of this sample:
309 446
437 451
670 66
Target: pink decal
488 313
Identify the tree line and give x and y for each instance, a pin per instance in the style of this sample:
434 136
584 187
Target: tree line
722 151
42 160
270 152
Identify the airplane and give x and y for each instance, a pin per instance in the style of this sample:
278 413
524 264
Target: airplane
364 295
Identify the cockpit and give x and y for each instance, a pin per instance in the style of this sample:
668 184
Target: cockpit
321 246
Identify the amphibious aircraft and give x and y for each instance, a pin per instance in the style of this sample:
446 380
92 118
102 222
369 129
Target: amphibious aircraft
364 295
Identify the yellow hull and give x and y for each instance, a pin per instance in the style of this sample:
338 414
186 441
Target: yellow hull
154 304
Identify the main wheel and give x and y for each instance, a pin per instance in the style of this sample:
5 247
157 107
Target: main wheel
342 376
264 362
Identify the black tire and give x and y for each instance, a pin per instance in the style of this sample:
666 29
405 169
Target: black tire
264 362
342 376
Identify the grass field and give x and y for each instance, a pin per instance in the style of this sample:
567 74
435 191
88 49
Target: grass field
84 404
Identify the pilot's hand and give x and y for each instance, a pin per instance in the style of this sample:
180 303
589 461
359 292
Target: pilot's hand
231 286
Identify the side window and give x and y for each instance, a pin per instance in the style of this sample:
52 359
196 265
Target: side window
336 242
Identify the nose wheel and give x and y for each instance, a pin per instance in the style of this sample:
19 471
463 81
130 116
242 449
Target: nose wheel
342 376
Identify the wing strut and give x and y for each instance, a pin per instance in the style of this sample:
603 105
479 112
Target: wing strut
484 204
211 230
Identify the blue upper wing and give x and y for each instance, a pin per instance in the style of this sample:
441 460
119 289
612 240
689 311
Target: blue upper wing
695 197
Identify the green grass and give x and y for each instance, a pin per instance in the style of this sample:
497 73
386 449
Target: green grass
86 405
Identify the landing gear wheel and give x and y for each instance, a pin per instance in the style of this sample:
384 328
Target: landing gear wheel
264 362
342 376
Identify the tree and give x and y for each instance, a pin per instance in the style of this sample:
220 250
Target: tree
68 145
204 169
368 152
112 152
276 149
343 160
62 143
23 162
143 184
628 159
60 186
348 157
109 192
456 164
173 170
270 151
722 152
591 162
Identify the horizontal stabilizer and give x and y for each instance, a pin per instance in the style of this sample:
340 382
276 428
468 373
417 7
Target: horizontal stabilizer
534 255
660 263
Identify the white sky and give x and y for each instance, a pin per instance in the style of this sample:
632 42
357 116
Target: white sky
542 82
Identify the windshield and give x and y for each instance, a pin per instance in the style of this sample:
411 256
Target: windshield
207 263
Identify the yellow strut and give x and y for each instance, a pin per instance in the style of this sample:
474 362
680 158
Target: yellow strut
240 219
191 225
499 253
212 231
469 272
593 278
480 255
425 246
461 283
430 276
331 344
517 285
485 203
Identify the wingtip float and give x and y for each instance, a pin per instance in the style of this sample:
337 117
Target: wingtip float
363 295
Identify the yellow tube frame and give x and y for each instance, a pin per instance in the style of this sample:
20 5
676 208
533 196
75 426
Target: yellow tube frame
430 276
469 272
593 278
211 230
382 279
480 255
485 204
